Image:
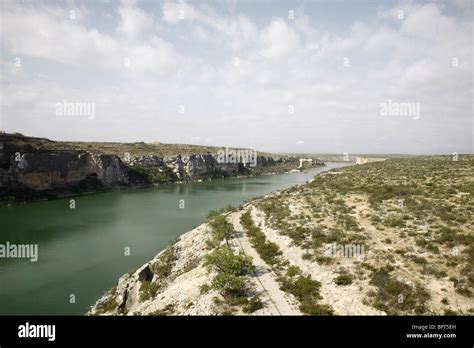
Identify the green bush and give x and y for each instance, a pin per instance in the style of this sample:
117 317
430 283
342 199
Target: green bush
268 251
293 271
213 213
253 304
306 290
230 270
303 287
312 308
229 284
106 306
220 228
163 267
156 174
343 279
149 290
394 221
395 297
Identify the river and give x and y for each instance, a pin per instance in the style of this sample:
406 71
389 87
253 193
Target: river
83 251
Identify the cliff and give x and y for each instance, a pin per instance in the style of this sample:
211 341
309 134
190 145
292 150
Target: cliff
36 168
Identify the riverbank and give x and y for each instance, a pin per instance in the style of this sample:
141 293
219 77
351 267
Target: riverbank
372 239
36 169
185 288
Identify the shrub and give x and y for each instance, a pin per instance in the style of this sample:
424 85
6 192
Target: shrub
394 296
464 291
213 213
348 222
306 290
293 271
268 251
107 306
343 279
253 304
230 268
394 221
229 284
303 287
204 289
163 267
224 260
149 290
156 174
221 228
324 260
312 308
418 259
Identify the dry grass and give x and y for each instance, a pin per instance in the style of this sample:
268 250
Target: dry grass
414 213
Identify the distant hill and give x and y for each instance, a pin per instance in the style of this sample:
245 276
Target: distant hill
116 148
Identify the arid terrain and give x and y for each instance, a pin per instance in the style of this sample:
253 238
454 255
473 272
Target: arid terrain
394 237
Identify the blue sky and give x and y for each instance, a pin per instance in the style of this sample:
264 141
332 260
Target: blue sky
237 68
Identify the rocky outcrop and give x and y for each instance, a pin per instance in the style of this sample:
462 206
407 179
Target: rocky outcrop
33 175
113 172
177 166
200 165
178 290
30 170
204 166
147 160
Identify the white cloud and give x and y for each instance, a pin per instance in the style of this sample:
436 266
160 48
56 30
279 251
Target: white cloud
233 32
427 23
133 20
278 40
40 32
174 12
280 63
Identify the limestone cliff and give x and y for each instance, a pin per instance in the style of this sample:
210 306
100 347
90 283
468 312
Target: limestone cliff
34 168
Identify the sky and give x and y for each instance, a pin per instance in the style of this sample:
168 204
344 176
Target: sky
272 75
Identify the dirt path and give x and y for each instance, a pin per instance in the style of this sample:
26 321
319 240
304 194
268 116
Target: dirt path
278 301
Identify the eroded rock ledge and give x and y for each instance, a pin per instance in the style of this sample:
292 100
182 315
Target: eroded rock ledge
35 169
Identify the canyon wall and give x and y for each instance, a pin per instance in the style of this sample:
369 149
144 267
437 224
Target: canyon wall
29 172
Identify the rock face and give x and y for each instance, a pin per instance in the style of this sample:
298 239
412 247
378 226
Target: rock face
148 160
29 172
26 176
199 166
113 172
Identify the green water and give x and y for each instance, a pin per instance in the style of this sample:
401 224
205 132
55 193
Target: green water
82 250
